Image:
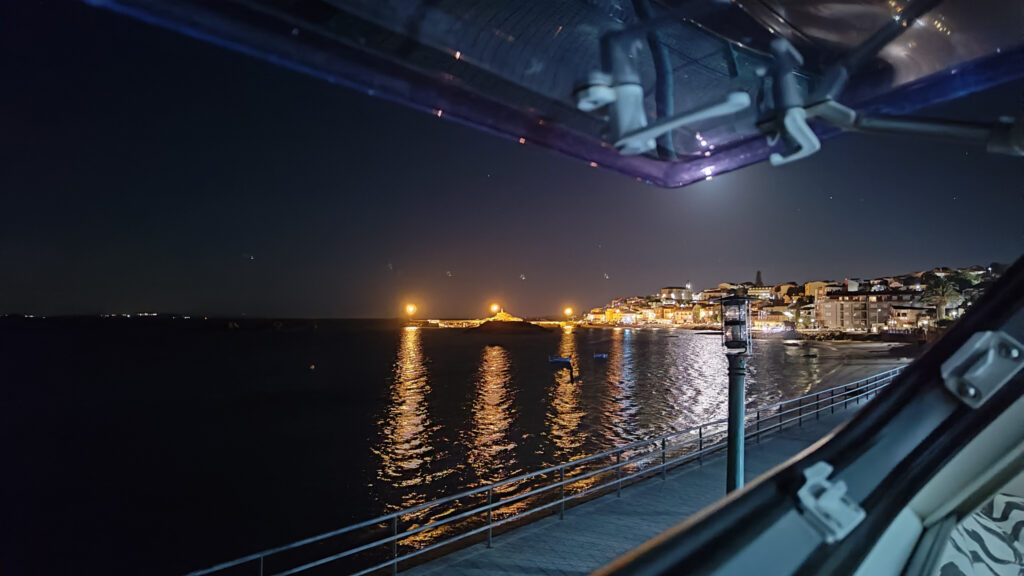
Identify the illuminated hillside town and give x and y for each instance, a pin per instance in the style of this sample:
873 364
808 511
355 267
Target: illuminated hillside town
900 303
903 303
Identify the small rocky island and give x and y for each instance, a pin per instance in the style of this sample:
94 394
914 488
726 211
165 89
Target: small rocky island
505 323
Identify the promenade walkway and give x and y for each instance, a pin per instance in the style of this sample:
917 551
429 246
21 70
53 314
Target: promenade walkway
593 534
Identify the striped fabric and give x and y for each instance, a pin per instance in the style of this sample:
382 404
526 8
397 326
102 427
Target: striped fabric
989 542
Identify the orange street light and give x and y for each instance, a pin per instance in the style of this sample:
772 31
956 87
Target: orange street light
568 311
410 309
495 308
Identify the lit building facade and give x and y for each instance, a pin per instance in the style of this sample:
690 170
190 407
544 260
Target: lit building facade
858 310
713 294
676 294
760 292
769 319
908 317
811 289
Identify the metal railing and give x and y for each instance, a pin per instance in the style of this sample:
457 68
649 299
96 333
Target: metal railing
479 512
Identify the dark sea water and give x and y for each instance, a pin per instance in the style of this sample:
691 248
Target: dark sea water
159 446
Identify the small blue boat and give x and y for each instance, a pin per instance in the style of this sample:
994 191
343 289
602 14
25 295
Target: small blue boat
560 359
600 356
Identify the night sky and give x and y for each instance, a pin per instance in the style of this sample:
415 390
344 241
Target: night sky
144 170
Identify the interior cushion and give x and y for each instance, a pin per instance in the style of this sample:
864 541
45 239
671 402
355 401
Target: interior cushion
989 542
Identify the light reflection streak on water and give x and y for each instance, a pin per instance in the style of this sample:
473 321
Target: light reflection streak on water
491 450
650 384
618 414
565 414
697 381
681 395
706 379
696 388
407 448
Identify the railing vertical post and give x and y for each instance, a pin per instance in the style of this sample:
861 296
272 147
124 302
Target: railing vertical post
664 469
832 401
800 412
490 500
261 565
757 428
817 406
561 480
700 444
618 473
394 544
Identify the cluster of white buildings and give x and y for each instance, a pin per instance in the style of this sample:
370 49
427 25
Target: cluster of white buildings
892 303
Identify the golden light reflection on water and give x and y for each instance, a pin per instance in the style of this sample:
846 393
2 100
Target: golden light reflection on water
649 384
491 450
565 414
407 448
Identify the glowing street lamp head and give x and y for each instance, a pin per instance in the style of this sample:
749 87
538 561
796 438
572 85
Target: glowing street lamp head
410 309
568 311
495 308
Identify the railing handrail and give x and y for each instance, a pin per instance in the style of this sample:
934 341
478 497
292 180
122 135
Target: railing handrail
857 385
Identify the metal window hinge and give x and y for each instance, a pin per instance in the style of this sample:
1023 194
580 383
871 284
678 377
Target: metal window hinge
826 506
986 362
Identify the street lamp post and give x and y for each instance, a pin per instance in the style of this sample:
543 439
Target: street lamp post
736 338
